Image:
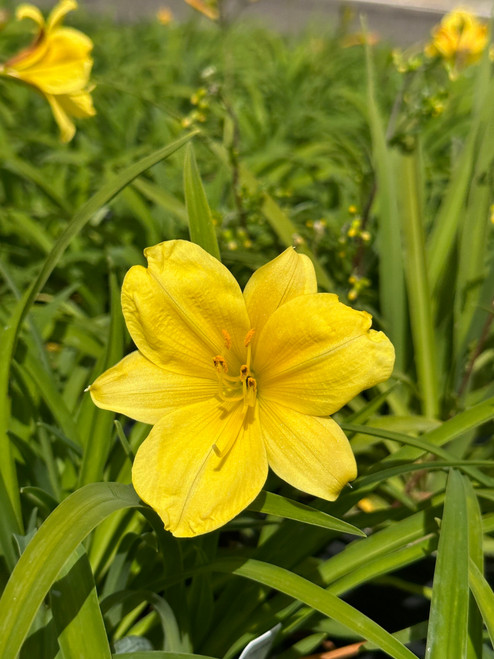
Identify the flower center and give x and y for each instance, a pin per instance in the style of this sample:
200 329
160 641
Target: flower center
242 386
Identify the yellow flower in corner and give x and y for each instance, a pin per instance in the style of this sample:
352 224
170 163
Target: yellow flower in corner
207 7
58 64
459 39
235 382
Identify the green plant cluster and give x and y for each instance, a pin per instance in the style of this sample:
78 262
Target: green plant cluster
303 141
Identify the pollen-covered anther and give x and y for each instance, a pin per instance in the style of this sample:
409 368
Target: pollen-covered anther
248 337
244 372
250 392
220 364
227 338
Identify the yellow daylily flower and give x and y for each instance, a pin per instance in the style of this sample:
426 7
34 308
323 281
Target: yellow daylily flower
208 8
235 382
57 64
164 15
459 40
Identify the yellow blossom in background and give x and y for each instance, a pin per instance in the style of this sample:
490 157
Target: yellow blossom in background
459 40
360 39
57 64
233 382
207 7
164 15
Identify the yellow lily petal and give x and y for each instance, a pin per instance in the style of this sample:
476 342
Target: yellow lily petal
177 309
279 281
66 126
315 354
32 12
209 9
145 392
77 105
59 12
26 58
311 453
178 473
62 65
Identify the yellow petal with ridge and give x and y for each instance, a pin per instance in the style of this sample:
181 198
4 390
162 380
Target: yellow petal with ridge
177 309
311 453
145 392
179 474
315 354
287 276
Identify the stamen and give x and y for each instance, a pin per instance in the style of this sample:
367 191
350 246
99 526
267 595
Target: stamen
220 364
248 337
250 394
244 372
227 338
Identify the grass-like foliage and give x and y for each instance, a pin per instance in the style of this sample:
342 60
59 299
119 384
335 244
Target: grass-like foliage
383 175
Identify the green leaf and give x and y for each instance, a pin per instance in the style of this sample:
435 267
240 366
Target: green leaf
319 599
443 236
48 551
483 596
274 504
201 225
450 429
29 172
427 446
78 620
448 622
391 275
159 655
476 554
168 621
161 198
419 298
8 526
98 441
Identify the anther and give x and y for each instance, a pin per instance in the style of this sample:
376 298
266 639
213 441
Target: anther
248 337
244 372
227 338
220 364
250 392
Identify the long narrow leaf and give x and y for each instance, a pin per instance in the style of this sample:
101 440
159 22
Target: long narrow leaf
391 274
201 225
295 586
47 553
273 504
476 554
448 622
98 442
419 298
74 602
483 596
